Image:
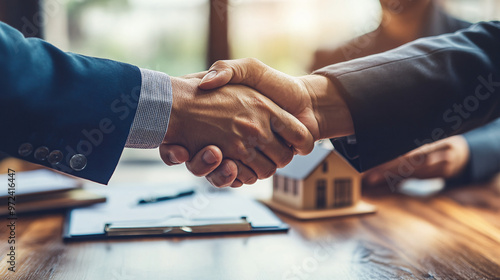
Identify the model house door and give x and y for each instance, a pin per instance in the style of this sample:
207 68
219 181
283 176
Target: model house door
321 194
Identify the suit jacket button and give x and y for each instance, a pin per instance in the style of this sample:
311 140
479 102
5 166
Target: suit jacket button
41 153
25 149
78 162
55 157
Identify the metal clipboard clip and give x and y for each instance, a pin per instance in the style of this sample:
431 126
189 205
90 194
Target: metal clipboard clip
177 225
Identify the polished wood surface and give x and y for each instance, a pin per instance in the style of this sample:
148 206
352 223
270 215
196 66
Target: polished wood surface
453 235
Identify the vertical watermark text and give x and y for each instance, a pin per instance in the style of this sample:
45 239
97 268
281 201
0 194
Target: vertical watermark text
11 219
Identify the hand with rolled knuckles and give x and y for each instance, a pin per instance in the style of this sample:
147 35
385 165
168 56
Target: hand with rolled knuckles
246 135
312 99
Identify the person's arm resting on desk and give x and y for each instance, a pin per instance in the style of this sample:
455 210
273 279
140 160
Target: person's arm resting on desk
473 157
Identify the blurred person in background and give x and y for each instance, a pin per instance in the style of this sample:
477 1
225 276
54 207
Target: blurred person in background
403 21
461 159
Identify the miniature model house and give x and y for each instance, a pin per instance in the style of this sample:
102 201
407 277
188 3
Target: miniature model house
321 184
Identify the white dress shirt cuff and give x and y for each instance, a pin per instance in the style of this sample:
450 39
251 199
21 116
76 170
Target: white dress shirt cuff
153 111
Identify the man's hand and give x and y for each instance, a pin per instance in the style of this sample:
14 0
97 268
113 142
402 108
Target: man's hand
238 120
446 158
312 99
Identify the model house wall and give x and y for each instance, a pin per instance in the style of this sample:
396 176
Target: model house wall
288 191
333 184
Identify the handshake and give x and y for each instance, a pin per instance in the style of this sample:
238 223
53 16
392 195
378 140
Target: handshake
241 120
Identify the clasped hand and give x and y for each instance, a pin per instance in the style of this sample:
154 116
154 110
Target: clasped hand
244 119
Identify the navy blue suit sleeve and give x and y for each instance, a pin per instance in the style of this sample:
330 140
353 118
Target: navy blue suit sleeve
65 102
484 146
421 92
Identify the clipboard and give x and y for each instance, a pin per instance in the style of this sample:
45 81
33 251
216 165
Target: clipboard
178 226
224 213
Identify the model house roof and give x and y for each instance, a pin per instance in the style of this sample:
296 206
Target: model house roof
301 166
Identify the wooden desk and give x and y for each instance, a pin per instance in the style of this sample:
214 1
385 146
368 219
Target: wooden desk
455 235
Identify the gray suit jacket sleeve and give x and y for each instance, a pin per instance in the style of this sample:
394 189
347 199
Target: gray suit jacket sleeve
421 92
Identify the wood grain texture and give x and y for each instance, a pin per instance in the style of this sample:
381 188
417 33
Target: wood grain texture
454 235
